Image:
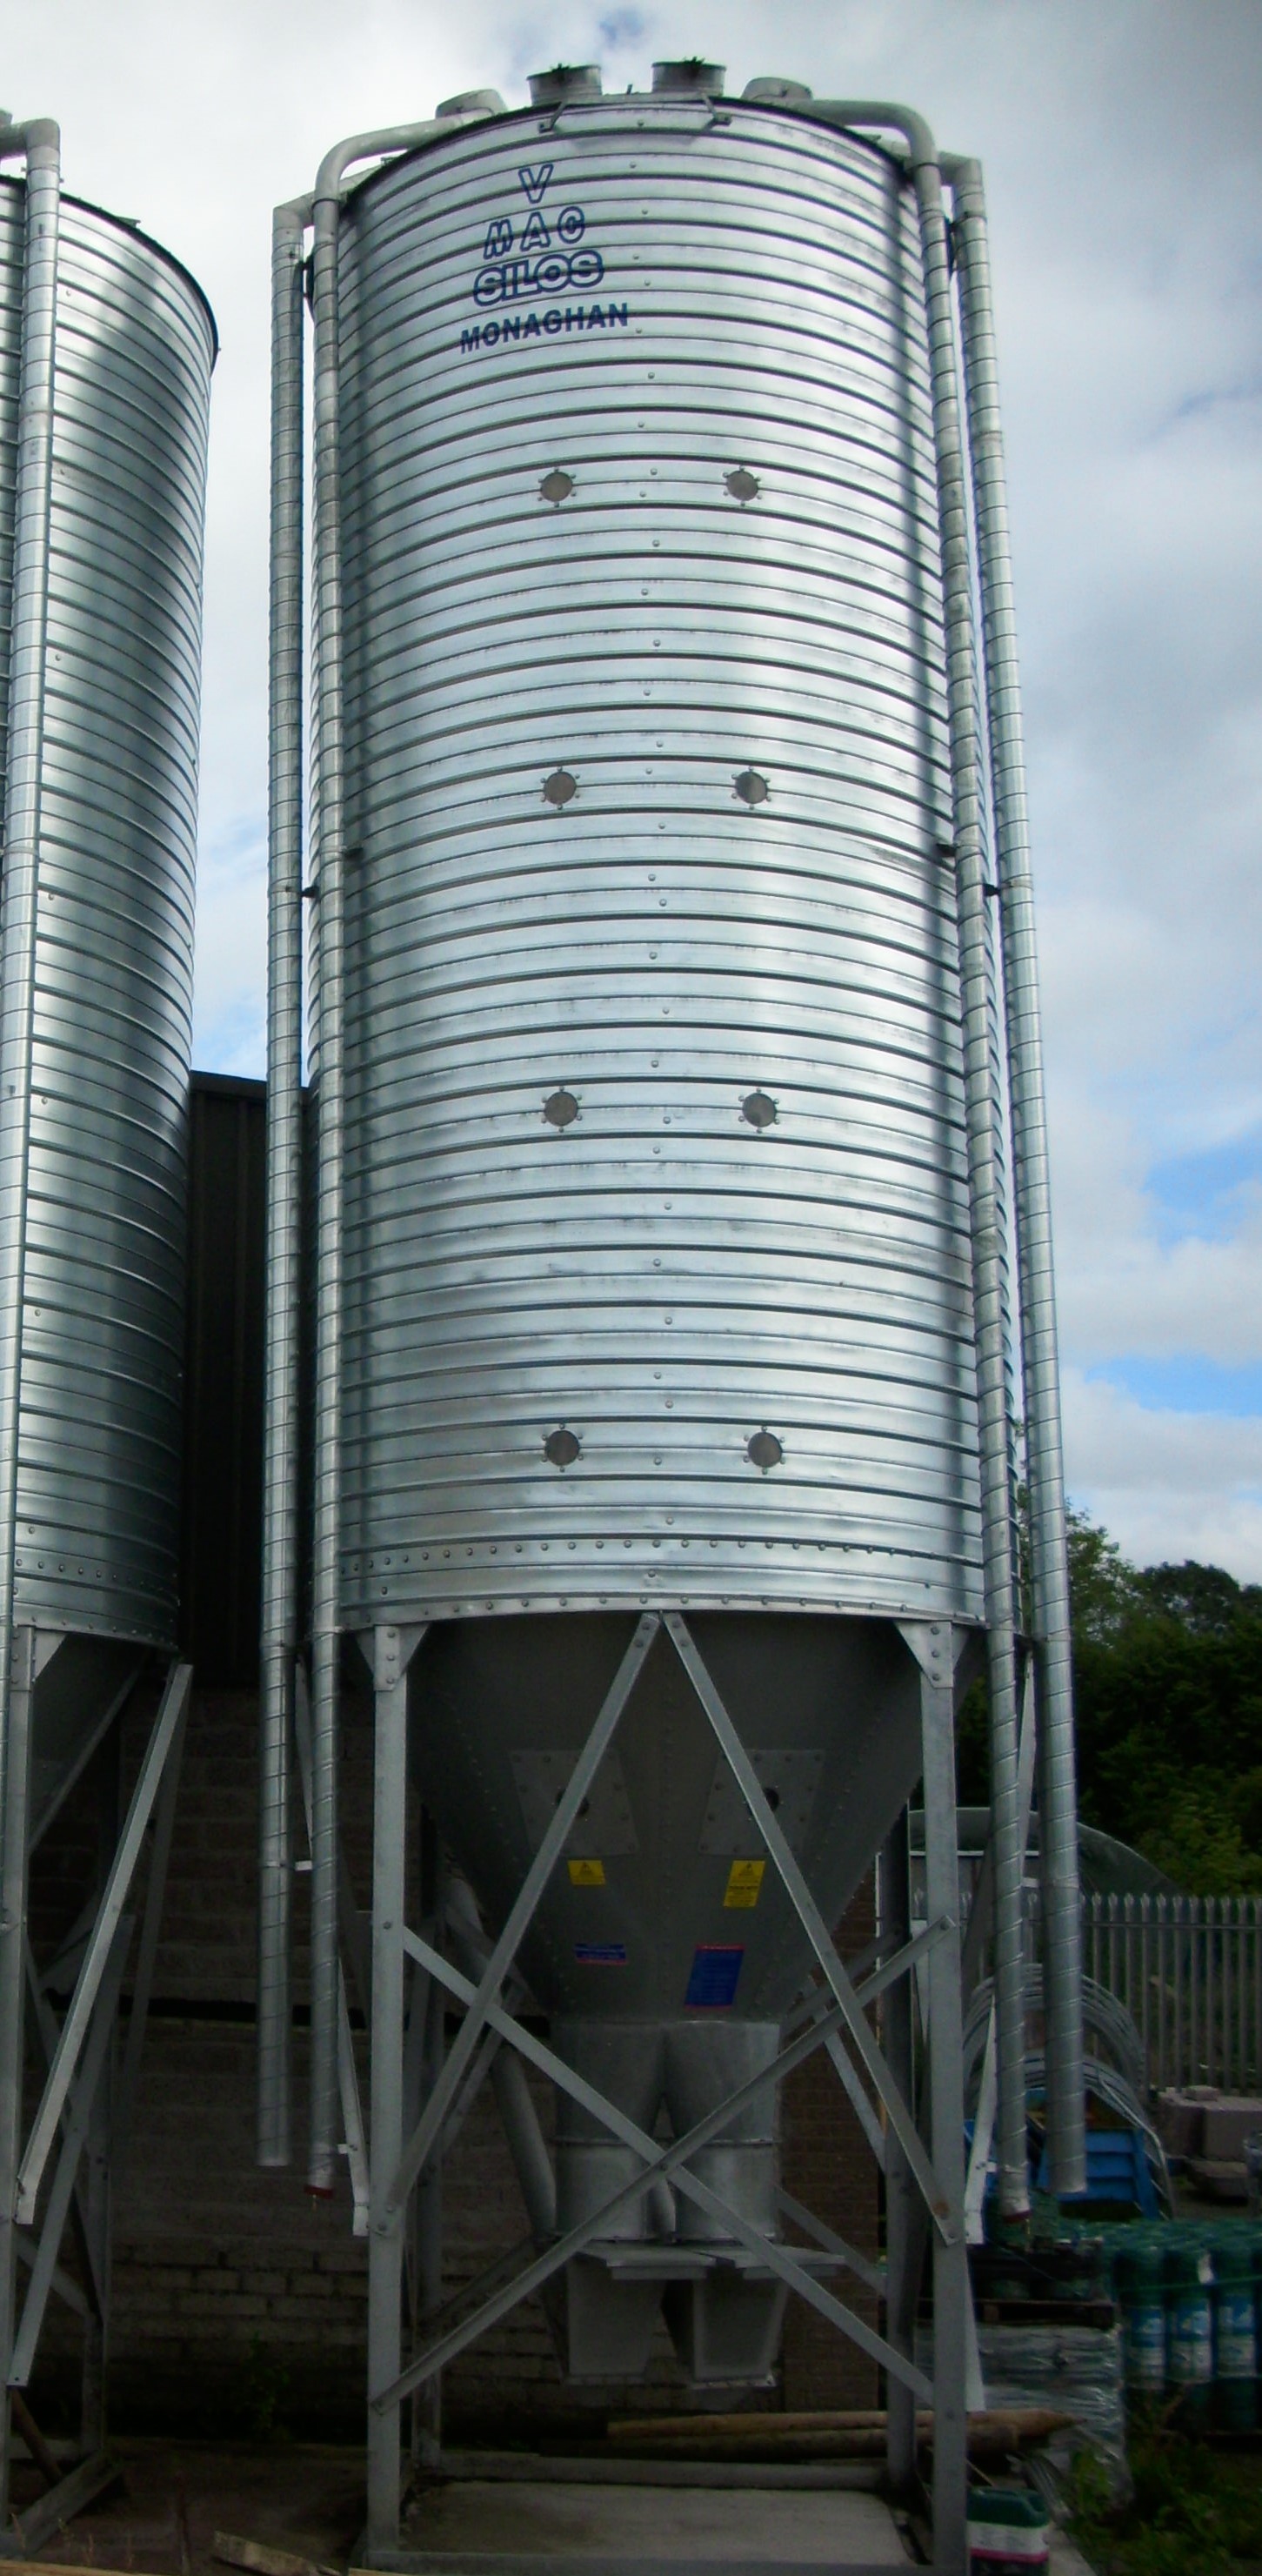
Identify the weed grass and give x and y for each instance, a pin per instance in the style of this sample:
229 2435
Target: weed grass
1195 2511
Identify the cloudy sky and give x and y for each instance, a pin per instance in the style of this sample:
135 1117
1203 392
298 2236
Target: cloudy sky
1123 146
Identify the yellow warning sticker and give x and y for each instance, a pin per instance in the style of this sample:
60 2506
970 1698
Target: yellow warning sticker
587 1873
744 1879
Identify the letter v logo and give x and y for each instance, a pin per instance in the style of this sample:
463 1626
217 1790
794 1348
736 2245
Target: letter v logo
535 181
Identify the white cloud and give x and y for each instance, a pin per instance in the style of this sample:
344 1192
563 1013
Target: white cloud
1167 1485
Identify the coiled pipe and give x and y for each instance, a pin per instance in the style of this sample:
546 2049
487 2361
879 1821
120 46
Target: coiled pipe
988 1229
330 945
39 144
283 1250
1049 1558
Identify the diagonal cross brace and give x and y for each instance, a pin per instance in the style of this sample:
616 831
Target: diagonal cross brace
815 1928
659 2162
864 2110
74 2029
873 2275
147 1952
48 2031
74 2139
433 2117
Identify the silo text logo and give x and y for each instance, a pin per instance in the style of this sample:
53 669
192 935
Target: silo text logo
541 253
491 335
556 274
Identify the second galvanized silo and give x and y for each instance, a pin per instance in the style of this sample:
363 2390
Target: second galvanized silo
102 1289
106 350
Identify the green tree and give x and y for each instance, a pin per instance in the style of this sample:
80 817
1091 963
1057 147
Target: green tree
1103 1588
1168 1691
1168 1683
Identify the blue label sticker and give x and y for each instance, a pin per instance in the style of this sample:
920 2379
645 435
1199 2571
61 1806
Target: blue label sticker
715 1969
601 1954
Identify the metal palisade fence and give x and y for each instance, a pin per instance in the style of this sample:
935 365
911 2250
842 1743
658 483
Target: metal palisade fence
1189 1971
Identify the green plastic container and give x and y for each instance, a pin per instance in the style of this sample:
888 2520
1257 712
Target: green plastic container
1007 2532
1235 2332
1138 2270
1189 2275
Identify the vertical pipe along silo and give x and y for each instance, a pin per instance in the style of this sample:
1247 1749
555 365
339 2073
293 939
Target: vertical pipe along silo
106 350
663 1419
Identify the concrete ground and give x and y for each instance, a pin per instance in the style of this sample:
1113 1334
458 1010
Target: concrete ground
689 2526
309 2498
305 2497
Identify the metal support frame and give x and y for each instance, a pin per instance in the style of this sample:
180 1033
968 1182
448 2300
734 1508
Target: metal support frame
354 2142
392 1653
832 2014
979 2159
65 2171
903 2246
945 2084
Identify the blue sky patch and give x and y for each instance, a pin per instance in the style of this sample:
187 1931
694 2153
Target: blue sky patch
1207 1194
1185 1384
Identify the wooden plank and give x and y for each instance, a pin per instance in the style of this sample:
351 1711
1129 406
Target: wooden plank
91 2479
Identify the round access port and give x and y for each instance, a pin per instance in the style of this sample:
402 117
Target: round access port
764 1450
561 1448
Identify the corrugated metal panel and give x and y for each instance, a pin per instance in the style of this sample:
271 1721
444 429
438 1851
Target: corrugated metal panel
661 1276
223 1407
103 1327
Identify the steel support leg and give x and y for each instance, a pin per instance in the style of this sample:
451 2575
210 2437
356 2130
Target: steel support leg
96 2157
386 2224
13 1869
904 2238
427 2244
946 2107
166 1731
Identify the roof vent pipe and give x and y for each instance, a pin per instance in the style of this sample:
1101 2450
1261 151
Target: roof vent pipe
472 102
694 78
565 81
769 92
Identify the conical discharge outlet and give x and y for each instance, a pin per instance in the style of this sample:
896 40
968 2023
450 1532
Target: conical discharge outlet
665 1949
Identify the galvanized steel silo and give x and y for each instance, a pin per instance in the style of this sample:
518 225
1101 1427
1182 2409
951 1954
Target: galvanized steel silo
657 1261
106 350
102 1293
662 1368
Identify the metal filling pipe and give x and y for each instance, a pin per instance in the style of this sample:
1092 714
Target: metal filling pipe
985 1131
1058 1821
329 755
40 143
283 1253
